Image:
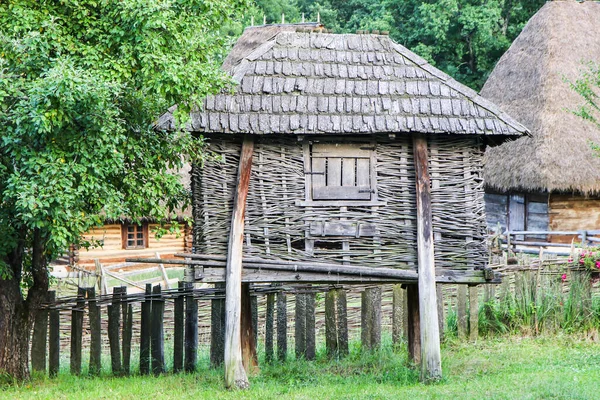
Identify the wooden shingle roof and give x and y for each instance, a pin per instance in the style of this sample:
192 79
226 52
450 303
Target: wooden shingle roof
318 83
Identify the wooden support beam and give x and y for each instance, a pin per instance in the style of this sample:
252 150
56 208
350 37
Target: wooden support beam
413 324
217 330
440 307
77 332
473 313
269 332
157 344
113 331
191 329
398 312
235 375
431 359
179 311
462 322
370 325
281 326
145 331
249 356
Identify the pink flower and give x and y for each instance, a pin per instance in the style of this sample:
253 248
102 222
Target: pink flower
563 277
598 264
581 261
570 260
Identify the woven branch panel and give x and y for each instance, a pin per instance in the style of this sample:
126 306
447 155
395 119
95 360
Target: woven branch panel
278 223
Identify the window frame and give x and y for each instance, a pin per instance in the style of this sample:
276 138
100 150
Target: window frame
143 228
308 174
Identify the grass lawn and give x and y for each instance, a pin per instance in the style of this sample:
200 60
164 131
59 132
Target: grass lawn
557 367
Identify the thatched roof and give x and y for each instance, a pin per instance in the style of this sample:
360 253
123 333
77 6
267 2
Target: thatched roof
529 83
294 79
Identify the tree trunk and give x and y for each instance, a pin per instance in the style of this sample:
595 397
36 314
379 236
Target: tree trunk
15 327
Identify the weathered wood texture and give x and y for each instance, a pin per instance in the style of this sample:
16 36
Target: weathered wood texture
473 313
462 321
431 359
276 226
191 330
370 324
145 331
157 343
39 340
336 323
573 213
413 324
178 329
53 337
95 333
77 332
282 326
398 314
248 339
235 375
269 327
114 323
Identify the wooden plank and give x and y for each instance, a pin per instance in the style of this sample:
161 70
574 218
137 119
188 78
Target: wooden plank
473 313
440 307
431 360
334 172
249 355
342 228
178 327
145 331
53 337
217 330
163 273
355 150
191 329
318 172
341 192
516 212
370 331
348 171
95 333
363 173
331 333
235 375
127 337
342 322
157 349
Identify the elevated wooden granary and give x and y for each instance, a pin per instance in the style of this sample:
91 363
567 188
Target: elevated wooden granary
333 175
352 160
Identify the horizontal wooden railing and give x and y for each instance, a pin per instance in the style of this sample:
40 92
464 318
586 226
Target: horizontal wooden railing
553 242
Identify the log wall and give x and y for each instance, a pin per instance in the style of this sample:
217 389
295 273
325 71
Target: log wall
573 213
113 252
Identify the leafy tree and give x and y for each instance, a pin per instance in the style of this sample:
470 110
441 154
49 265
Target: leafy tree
81 84
588 86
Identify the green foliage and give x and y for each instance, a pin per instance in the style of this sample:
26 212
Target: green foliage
81 85
588 86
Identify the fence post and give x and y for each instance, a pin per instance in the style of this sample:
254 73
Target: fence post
54 336
217 330
191 329
39 339
440 309
77 331
95 333
157 338
127 310
310 326
113 331
145 331
178 329
398 311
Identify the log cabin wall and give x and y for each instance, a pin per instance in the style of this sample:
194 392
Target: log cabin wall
517 211
379 232
573 212
113 250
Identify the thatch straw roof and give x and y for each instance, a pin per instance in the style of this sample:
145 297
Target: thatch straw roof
297 79
530 82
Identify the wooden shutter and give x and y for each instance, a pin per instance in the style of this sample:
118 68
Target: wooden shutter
341 172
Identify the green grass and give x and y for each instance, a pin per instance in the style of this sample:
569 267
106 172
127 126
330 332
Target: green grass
551 367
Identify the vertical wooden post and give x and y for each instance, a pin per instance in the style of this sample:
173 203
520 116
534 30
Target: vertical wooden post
178 330
398 311
113 331
39 340
269 333
145 331
331 334
157 349
53 337
77 332
191 329
235 375
342 317
461 311
310 326
413 323
440 308
300 325
217 330
473 313
95 333
281 326
127 330
431 359
370 326
249 356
